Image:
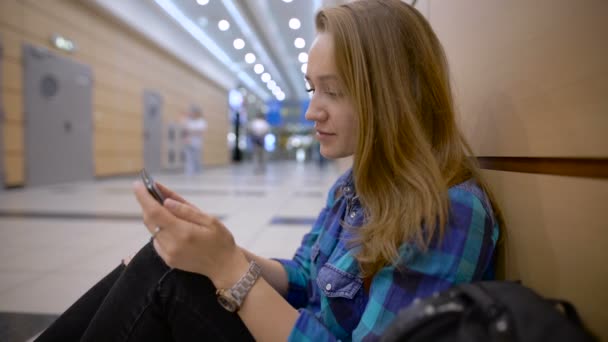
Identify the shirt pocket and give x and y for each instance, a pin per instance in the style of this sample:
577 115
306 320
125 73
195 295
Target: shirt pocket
334 282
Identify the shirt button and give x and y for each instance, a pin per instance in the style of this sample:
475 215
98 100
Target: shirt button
353 214
328 286
347 189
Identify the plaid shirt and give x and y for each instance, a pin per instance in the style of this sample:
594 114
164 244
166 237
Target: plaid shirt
326 285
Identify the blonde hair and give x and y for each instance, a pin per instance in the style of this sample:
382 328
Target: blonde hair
409 149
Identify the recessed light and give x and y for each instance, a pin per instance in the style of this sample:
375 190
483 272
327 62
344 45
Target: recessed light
294 23
288 1
250 58
258 68
299 43
303 57
281 96
223 25
238 43
304 67
202 2
266 77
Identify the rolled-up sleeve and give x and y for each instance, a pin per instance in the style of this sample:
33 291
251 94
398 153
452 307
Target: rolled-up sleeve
298 269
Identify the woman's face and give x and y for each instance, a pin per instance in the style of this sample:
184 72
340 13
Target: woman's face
330 108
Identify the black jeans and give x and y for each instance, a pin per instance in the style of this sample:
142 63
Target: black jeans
148 301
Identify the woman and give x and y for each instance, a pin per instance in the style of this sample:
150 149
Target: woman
410 218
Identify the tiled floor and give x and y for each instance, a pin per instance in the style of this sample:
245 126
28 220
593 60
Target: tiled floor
57 241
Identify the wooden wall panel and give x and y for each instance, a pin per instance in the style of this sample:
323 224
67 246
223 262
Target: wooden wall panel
556 238
11 14
124 65
13 137
11 42
530 77
106 164
13 105
12 75
14 168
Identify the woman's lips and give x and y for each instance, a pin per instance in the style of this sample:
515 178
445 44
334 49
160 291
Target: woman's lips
321 135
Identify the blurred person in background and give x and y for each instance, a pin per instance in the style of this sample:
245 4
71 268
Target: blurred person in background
411 217
257 130
195 126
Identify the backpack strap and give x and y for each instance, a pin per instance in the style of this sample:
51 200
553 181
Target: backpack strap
568 309
490 308
493 311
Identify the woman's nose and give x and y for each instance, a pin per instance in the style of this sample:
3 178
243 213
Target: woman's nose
315 113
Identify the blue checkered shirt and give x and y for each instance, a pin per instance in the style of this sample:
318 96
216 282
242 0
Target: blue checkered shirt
326 286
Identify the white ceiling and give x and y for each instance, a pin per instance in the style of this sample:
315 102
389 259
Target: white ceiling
190 31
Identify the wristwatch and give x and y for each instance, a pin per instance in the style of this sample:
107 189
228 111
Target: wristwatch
232 299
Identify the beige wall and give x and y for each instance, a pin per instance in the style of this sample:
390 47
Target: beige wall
123 66
531 80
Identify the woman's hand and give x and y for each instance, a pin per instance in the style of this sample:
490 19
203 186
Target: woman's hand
190 239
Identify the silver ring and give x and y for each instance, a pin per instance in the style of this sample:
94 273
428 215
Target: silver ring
156 230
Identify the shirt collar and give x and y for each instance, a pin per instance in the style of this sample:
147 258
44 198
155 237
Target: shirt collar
347 185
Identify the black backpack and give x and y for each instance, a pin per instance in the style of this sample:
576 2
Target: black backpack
487 311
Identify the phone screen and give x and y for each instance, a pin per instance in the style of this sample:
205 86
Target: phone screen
151 186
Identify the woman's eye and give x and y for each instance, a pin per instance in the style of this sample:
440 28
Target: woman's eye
310 90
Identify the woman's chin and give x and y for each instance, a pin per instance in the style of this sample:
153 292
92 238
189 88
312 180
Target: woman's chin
329 153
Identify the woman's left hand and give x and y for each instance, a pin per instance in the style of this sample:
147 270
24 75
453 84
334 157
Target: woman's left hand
191 240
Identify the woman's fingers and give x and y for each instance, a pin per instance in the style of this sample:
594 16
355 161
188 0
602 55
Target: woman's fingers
188 213
178 237
171 194
154 214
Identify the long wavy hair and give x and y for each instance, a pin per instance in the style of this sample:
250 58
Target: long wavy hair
409 149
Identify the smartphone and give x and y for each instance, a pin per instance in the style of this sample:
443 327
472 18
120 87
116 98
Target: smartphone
151 186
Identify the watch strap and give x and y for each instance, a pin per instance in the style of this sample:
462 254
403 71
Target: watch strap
242 287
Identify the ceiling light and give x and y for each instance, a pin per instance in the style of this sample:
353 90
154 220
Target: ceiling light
208 43
281 96
271 84
294 23
303 57
258 68
266 77
248 32
223 25
304 67
288 1
250 58
202 2
299 43
238 43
